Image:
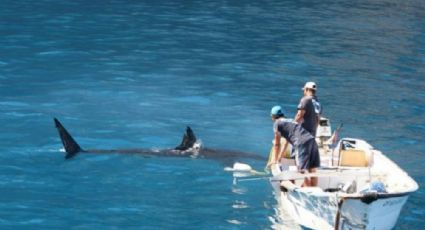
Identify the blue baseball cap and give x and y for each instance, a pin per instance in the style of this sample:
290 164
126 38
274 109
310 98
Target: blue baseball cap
277 111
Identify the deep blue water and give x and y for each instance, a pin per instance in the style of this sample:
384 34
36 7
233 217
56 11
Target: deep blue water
133 74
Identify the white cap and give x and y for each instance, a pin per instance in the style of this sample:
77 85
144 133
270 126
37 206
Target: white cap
310 85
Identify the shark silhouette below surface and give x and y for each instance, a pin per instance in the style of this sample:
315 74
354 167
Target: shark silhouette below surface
189 147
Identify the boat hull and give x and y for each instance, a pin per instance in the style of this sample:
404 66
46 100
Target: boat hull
320 210
381 213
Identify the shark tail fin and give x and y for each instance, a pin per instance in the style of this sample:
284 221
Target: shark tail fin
70 145
189 139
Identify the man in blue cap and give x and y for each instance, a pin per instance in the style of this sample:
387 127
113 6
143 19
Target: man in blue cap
306 149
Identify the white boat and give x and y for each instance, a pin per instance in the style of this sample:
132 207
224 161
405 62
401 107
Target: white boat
358 188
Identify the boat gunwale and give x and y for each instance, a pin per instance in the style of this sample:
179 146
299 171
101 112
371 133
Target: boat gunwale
348 196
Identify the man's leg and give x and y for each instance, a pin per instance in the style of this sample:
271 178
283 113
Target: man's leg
306 182
313 180
314 161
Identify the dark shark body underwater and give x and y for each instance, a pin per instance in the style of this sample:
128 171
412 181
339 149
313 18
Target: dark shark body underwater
189 147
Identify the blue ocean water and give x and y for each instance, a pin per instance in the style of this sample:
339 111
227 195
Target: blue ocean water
122 74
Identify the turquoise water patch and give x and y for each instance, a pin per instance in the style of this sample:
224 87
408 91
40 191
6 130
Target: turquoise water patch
194 100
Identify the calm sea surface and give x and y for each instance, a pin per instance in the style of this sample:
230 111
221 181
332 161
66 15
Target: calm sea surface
122 74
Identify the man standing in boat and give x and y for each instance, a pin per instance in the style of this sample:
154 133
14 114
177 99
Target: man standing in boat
309 109
306 150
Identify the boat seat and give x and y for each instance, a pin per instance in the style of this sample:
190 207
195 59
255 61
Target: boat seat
353 158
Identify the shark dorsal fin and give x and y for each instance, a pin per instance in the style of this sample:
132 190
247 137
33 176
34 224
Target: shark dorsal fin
70 145
189 139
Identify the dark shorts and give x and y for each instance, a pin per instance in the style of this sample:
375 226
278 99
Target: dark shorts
308 155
